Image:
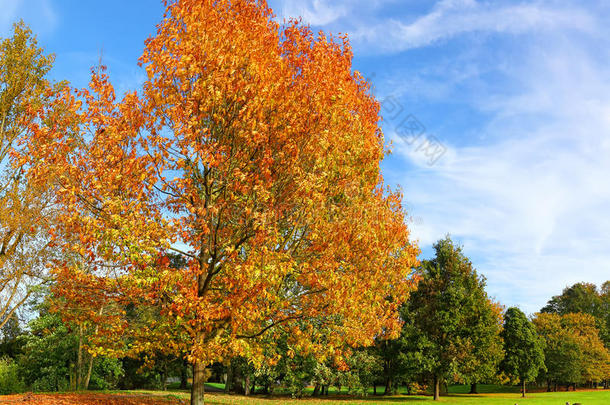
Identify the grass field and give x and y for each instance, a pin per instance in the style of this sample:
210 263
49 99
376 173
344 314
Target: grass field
592 397
598 397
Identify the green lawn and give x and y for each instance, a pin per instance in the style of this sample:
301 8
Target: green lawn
599 397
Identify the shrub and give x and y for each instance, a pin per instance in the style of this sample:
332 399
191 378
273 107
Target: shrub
10 383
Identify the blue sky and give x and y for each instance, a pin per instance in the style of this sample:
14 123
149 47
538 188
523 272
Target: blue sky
516 94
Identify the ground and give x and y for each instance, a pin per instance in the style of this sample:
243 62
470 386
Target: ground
591 397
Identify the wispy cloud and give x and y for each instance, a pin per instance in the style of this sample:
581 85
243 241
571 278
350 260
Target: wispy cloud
38 14
530 200
450 18
314 12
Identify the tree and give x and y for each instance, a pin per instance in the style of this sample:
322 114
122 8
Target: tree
52 357
581 297
254 152
452 319
574 352
524 349
25 212
584 298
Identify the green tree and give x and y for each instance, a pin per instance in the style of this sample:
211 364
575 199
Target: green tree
580 297
9 343
455 324
524 348
50 357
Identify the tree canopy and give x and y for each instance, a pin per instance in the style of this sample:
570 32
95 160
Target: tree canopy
455 324
253 151
524 348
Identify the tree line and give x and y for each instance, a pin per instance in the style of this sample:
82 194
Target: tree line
452 333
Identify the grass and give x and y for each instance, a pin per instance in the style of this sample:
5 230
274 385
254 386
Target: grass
590 397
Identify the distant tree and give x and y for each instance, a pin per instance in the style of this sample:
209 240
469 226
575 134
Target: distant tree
588 299
580 297
9 334
452 320
574 352
488 350
524 349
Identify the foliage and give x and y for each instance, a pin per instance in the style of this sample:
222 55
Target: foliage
10 382
50 355
580 297
26 208
254 152
574 352
588 299
47 354
10 346
523 347
452 325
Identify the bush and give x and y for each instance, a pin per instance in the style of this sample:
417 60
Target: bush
9 377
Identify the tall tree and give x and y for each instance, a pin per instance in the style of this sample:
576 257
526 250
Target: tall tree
25 208
254 152
524 348
451 317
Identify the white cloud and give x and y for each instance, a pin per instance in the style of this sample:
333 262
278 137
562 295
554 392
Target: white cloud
314 12
531 202
450 18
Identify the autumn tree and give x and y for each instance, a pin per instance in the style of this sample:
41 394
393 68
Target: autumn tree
25 208
451 316
584 298
523 347
253 151
574 352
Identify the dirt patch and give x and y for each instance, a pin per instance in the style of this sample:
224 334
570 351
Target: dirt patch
89 399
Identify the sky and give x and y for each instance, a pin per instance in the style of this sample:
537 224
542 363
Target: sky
498 114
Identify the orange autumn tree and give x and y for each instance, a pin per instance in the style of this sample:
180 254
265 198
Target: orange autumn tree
253 152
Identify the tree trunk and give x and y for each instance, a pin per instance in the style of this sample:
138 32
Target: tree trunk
90 365
388 386
164 377
184 374
473 388
523 388
316 390
229 383
79 359
198 389
247 385
437 386
375 389
89 370
72 377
